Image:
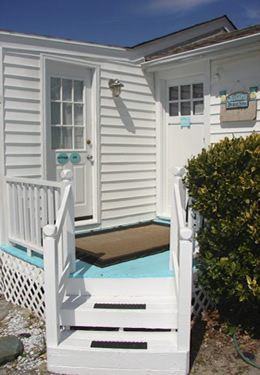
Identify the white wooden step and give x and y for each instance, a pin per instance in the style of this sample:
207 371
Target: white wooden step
89 311
160 286
75 354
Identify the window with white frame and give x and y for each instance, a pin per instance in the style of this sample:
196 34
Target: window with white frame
67 113
186 100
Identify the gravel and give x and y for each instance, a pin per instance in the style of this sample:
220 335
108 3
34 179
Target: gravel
20 322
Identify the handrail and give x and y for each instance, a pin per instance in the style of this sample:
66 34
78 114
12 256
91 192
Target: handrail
185 232
31 205
181 258
31 181
61 215
59 258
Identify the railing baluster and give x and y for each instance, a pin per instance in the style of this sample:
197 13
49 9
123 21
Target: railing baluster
37 216
26 213
20 211
34 204
50 198
32 211
16 208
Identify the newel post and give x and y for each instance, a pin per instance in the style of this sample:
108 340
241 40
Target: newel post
67 178
178 174
51 285
185 288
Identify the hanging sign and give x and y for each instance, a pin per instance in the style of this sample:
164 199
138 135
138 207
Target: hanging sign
75 158
62 158
237 100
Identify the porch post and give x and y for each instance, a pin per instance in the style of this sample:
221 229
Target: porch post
51 285
69 236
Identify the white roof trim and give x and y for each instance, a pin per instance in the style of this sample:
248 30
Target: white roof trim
61 40
198 51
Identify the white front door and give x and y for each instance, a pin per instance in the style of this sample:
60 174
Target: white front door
185 127
69 144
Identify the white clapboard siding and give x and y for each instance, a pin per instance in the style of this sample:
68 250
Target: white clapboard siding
127 146
120 166
127 135
109 196
22 114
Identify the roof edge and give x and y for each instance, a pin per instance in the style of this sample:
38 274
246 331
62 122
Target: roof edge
62 40
185 29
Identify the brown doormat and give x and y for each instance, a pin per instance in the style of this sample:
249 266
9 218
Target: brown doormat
110 247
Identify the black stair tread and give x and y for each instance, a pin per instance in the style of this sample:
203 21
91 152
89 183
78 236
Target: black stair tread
120 306
119 344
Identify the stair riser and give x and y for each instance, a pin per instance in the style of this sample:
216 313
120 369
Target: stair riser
104 371
120 318
121 362
161 287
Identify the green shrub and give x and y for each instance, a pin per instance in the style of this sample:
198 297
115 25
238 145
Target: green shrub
225 184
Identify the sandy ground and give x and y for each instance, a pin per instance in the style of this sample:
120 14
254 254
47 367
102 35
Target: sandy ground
212 351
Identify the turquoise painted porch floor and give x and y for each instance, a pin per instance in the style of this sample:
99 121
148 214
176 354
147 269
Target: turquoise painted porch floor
150 266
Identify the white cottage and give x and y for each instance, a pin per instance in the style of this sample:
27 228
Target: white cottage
179 93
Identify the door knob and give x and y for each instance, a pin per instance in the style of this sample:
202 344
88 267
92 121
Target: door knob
89 157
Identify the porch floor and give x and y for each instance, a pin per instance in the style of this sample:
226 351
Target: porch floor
156 265
152 266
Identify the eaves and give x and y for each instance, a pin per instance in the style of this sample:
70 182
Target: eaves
247 43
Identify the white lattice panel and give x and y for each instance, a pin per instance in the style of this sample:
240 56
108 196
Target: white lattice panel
22 283
200 300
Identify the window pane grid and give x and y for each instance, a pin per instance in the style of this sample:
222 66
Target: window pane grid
186 100
67 112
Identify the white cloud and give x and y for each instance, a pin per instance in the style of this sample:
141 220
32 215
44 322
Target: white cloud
174 5
253 12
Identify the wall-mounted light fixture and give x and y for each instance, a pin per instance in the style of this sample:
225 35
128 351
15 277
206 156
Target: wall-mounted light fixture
115 86
216 76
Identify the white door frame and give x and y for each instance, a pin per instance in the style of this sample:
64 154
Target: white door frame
48 64
161 84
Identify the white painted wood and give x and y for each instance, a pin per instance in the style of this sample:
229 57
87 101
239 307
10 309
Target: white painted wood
84 170
185 289
181 248
161 356
160 313
51 286
33 204
130 287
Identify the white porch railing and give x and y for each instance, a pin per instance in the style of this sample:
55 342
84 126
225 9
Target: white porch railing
181 249
59 259
32 204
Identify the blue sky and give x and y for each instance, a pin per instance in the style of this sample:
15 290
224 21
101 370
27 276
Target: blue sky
119 22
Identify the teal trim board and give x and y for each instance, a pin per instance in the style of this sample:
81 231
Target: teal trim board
19 252
152 266
162 221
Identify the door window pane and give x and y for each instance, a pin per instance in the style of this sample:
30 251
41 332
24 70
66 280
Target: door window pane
197 90
67 137
78 114
55 137
198 107
185 92
174 109
185 108
78 91
174 93
67 89
55 88
67 114
55 113
78 134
